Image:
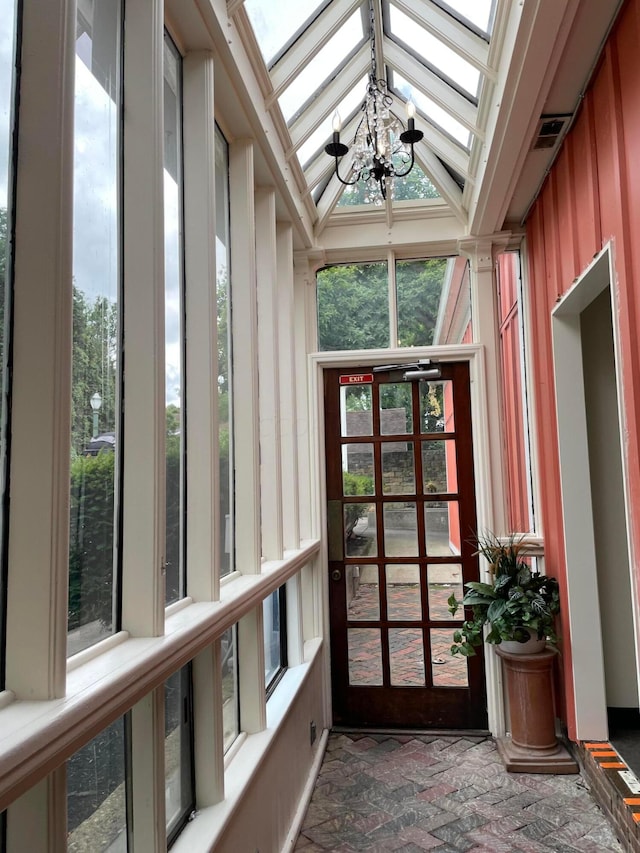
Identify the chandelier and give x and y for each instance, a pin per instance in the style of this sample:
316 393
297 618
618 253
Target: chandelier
382 148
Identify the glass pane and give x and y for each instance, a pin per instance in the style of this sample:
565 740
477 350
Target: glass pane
400 530
443 59
416 185
365 656
272 649
439 467
96 236
322 66
436 406
403 592
396 411
406 657
446 670
274 31
362 590
442 580
7 49
478 12
225 400
347 108
96 796
442 527
230 695
357 470
432 111
178 759
356 410
353 307
398 468
419 288
173 310
361 537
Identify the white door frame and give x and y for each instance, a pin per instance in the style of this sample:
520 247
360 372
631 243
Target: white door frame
582 580
474 354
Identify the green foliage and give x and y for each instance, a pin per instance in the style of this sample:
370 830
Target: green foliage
353 304
515 602
355 484
416 185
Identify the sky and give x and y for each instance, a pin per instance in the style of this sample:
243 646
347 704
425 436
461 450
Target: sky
7 17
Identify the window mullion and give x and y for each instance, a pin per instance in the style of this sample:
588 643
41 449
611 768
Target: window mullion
143 535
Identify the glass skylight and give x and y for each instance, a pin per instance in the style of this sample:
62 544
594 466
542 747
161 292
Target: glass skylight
478 12
322 65
434 52
347 106
274 28
435 113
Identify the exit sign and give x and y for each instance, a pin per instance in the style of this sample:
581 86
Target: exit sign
356 379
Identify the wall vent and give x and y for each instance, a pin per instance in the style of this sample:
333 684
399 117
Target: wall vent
550 130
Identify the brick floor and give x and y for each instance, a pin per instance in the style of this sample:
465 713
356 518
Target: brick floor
409 794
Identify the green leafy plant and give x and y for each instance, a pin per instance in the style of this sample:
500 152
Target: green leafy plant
516 603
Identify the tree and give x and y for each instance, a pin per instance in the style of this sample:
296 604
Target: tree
353 304
414 186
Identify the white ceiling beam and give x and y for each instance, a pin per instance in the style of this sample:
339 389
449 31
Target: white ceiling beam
459 107
329 98
532 41
442 180
310 42
453 33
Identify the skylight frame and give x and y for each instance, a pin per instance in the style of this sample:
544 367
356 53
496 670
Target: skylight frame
288 44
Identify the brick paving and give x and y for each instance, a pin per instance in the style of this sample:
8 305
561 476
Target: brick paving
411 793
405 644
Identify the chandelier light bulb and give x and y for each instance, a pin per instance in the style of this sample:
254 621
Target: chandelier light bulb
337 122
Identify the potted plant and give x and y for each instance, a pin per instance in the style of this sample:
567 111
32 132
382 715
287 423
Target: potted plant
517 604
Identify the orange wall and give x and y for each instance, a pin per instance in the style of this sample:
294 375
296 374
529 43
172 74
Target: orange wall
591 196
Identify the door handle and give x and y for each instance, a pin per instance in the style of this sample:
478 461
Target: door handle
336 574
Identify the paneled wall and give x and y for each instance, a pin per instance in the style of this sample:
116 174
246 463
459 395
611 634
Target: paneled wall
591 198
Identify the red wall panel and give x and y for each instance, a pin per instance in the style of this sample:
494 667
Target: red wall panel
591 197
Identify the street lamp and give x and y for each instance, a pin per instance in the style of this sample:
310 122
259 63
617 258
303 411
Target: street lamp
96 402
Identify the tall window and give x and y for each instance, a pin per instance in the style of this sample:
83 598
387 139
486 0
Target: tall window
7 65
97 794
275 637
173 311
230 697
225 402
95 403
178 751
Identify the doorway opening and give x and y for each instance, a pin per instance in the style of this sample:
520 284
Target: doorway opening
602 614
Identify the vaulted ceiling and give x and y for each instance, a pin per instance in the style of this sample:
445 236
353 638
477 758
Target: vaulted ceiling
495 82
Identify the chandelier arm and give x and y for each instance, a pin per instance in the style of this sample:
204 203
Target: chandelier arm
410 167
346 183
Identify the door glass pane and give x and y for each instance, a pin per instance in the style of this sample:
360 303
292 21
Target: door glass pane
357 469
96 236
443 579
178 758
396 413
96 795
446 670
353 307
362 590
360 530
406 657
365 656
398 468
442 525
403 592
418 289
225 399
439 472
400 530
230 703
173 310
7 64
356 410
436 406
